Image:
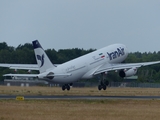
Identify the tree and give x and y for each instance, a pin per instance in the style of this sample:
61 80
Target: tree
24 54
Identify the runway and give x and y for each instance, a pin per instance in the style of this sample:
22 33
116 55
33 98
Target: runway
73 97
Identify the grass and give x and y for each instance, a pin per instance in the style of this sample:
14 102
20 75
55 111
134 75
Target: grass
79 109
16 90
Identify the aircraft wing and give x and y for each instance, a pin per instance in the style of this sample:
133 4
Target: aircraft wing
37 75
109 67
21 66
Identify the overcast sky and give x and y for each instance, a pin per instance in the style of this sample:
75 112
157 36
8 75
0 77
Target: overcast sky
62 24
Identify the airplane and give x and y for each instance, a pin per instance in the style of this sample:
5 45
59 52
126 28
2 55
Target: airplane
101 61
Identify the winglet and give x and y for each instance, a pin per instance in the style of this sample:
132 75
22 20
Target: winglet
36 44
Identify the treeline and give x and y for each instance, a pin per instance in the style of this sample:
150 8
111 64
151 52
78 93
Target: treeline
24 54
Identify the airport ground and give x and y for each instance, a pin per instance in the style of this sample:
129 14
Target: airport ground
80 110
111 109
90 91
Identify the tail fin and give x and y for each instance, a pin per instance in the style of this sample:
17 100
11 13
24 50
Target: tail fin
42 59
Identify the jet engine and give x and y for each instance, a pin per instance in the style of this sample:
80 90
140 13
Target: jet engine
128 72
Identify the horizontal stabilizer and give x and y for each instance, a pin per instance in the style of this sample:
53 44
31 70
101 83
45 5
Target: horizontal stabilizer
56 75
22 75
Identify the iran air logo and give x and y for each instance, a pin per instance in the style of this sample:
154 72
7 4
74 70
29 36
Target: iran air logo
41 58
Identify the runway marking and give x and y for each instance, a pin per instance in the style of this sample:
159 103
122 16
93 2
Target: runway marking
19 97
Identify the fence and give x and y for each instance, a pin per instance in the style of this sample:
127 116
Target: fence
1 83
134 84
87 84
126 84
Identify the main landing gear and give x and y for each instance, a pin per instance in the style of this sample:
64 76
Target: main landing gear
66 86
103 84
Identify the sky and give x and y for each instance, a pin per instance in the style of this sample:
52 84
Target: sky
63 24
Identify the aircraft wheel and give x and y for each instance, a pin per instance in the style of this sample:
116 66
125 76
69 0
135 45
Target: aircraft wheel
104 87
68 87
99 87
63 87
107 83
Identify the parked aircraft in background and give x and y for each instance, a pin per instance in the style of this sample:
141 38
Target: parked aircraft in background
98 62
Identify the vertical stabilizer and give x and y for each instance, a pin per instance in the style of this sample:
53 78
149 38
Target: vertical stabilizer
42 59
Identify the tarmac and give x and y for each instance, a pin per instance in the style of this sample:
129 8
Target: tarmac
73 97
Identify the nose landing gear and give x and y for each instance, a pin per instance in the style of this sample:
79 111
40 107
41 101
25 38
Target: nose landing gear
103 84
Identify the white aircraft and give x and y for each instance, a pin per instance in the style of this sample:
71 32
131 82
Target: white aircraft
98 62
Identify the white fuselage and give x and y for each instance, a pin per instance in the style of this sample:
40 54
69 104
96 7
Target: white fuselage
84 66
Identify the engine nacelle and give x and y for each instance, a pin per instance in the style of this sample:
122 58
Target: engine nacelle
127 73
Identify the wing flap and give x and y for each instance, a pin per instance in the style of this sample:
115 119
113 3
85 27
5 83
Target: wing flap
24 68
37 75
